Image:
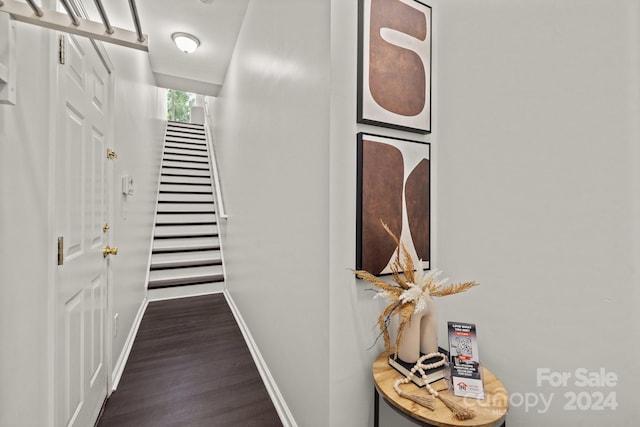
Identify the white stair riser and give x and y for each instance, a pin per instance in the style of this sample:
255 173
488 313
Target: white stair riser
185 218
186 172
185 127
182 125
186 165
186 158
185 133
207 189
191 141
174 149
170 179
192 148
175 257
171 197
186 143
166 265
185 230
185 244
191 272
186 207
186 274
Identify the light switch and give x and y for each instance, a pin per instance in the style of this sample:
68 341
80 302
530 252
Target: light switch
127 185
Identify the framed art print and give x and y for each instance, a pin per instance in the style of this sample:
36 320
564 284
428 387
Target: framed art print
394 64
393 186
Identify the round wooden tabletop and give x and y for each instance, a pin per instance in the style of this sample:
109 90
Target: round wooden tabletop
489 412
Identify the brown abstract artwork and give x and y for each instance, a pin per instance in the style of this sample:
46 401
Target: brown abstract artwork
394 86
393 187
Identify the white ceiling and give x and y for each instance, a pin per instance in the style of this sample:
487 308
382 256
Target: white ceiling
215 23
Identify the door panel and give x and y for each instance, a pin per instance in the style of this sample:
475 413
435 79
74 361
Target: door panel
99 93
74 335
81 207
71 181
97 304
95 188
75 60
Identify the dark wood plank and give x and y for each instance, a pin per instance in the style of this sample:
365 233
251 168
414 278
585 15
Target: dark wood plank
190 366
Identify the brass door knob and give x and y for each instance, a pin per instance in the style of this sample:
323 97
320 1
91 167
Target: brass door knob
108 250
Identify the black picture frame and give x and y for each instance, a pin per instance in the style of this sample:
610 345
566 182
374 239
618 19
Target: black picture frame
394 64
393 186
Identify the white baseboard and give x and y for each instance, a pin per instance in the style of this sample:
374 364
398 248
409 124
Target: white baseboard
118 368
278 401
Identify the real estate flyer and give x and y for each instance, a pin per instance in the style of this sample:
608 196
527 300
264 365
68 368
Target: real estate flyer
466 375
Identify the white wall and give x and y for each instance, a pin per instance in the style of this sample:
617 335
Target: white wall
138 137
538 193
536 197
26 260
353 312
24 232
272 142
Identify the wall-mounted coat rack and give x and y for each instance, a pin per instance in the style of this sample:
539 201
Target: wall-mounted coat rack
8 64
70 22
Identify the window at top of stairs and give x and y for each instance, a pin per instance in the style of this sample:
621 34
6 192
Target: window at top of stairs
179 105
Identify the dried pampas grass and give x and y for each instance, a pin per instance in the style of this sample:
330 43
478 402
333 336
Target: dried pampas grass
407 294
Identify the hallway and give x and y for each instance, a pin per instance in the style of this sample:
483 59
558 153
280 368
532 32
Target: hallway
190 366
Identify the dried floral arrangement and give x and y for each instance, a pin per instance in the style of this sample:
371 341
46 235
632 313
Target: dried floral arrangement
409 293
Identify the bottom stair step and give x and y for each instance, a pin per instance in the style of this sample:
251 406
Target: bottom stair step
185 276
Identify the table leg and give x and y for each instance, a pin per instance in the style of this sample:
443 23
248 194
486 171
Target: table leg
376 408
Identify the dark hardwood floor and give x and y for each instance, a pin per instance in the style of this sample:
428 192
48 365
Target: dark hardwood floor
190 366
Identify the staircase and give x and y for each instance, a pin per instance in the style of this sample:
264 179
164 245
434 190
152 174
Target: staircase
186 247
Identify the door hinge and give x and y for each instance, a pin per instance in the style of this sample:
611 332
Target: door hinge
60 250
61 49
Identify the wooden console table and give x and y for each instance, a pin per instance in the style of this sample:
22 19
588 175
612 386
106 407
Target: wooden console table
490 412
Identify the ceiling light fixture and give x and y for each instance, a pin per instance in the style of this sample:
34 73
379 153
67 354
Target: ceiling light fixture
186 42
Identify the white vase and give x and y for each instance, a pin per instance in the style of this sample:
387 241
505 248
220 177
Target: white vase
420 334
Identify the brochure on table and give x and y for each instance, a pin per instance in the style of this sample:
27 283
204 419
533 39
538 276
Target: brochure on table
466 375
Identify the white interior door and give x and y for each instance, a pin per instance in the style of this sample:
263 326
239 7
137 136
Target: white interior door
81 202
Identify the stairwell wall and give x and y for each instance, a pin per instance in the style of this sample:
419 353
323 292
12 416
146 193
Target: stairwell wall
138 124
271 135
287 165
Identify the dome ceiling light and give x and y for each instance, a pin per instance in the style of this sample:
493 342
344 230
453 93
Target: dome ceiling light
186 42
